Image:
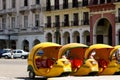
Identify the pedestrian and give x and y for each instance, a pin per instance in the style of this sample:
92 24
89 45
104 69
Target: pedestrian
11 53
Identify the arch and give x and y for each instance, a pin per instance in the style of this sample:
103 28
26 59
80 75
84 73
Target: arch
57 37
102 31
76 36
36 41
86 37
25 44
49 37
66 37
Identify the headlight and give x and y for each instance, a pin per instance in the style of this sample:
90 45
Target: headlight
93 62
65 62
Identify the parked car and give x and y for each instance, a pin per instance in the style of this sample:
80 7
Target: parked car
17 53
4 52
1 52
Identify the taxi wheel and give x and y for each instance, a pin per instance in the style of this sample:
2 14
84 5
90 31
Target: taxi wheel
31 75
23 57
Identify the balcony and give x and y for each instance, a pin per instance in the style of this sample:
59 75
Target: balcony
3 12
48 25
24 9
85 22
65 24
61 7
11 11
36 29
9 31
35 7
75 23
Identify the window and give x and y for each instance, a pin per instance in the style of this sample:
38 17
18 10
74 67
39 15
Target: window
56 4
4 4
118 14
25 21
4 23
75 18
25 2
37 20
85 2
108 1
19 51
75 3
13 3
66 20
48 3
65 4
102 1
0 25
13 22
48 21
95 2
85 18
40 53
57 21
37 1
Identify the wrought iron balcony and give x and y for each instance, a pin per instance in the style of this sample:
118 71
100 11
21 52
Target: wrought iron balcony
24 8
35 7
11 10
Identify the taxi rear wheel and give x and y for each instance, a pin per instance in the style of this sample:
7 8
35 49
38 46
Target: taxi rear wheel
31 75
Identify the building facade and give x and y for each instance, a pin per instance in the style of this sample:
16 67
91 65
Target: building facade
83 21
24 23
20 25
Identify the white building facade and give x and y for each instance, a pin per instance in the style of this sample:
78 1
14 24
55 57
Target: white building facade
24 23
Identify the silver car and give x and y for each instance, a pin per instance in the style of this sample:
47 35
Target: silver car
18 53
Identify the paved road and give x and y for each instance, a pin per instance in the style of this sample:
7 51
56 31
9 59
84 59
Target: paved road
16 69
13 68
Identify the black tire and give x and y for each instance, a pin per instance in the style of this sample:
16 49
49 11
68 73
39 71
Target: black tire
31 75
6 57
23 57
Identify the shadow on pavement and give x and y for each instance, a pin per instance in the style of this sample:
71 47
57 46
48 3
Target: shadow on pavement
26 78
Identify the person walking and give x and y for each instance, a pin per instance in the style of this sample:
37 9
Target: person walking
11 53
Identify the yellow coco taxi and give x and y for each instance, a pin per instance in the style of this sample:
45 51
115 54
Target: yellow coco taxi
115 56
101 55
75 52
44 60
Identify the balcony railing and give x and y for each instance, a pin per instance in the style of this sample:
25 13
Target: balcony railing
33 29
67 24
11 10
35 6
70 5
4 11
48 25
24 8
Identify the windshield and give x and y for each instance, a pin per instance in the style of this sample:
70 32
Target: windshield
6 50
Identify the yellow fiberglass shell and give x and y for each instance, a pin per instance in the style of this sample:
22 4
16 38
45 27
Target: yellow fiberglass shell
43 46
77 51
112 53
50 50
113 50
96 46
70 46
103 52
